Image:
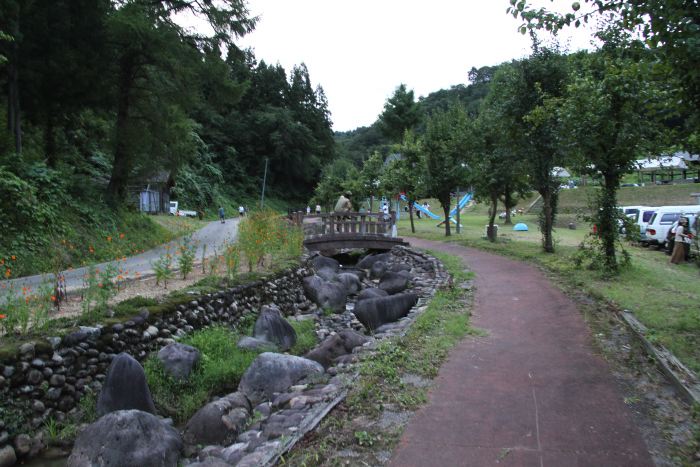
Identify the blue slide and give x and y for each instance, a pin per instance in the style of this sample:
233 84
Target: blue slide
462 202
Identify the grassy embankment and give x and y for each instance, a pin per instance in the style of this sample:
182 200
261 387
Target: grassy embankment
664 297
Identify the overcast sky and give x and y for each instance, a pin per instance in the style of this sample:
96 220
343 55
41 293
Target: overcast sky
359 51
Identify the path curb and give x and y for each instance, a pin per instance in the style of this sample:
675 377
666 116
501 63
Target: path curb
685 380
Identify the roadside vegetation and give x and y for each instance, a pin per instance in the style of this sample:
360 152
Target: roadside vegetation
387 377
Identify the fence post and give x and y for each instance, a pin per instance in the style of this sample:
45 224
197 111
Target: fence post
332 227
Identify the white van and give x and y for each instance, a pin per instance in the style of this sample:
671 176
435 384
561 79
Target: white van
640 215
662 220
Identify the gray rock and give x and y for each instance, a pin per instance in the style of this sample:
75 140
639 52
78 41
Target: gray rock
272 327
377 270
234 453
271 372
210 462
336 345
127 438
327 295
350 282
23 444
374 312
7 456
369 260
218 422
326 274
323 262
398 267
371 293
251 343
393 282
179 360
125 387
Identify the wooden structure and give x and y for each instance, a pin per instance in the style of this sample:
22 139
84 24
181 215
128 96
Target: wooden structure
349 230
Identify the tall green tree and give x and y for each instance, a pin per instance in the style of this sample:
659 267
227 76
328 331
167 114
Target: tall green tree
669 28
519 93
444 149
400 113
403 174
607 122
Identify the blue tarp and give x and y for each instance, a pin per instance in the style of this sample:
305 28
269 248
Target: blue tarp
520 227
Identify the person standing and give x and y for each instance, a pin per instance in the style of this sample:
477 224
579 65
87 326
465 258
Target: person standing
344 204
318 209
308 210
241 211
678 255
222 215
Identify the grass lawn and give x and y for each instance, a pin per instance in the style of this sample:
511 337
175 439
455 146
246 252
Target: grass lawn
664 297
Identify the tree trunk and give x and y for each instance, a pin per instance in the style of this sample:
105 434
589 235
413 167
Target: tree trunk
14 122
50 140
608 227
116 190
410 215
446 208
547 220
371 202
491 231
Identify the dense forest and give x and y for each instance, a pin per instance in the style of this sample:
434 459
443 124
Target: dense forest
104 97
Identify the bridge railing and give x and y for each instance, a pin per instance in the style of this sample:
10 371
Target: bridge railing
357 223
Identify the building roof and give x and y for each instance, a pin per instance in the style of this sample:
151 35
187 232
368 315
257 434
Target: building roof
660 163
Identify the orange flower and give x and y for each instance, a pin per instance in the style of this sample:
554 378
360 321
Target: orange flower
121 235
3 316
53 298
13 257
2 261
91 249
109 238
99 285
8 273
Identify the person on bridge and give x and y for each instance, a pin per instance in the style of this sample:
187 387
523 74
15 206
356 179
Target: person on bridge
318 209
344 204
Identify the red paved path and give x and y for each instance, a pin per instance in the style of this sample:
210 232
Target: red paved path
532 393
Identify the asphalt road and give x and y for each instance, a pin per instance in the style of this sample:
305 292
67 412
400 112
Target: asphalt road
213 235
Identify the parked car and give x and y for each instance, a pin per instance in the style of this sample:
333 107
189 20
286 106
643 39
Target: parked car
662 220
640 215
671 236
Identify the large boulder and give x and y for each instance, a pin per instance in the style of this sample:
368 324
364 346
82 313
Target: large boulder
394 282
360 273
125 387
272 327
371 292
335 346
273 372
322 262
219 422
374 312
127 438
179 359
311 286
369 260
326 274
377 270
350 282
398 267
327 295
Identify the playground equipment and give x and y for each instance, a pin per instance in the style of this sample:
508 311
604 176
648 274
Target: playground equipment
462 202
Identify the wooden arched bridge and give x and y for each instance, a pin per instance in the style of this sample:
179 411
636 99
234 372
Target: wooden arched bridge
336 231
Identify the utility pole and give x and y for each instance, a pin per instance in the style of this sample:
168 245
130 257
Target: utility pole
262 196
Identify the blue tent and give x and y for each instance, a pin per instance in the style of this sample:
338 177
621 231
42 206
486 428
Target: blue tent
520 227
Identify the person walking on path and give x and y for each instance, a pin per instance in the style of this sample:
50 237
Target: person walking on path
318 209
241 211
531 392
222 215
681 239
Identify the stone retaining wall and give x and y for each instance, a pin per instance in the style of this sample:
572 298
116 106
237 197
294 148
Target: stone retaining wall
47 377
